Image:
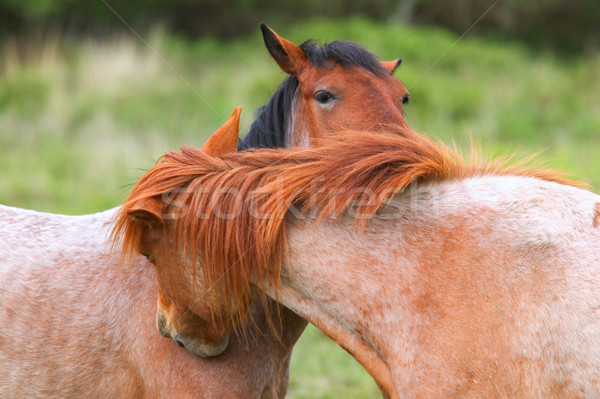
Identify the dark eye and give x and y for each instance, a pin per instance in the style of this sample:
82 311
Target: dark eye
405 99
324 97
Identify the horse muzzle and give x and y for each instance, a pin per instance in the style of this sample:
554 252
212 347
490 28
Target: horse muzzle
195 345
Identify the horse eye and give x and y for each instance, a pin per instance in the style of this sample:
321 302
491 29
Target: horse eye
324 97
405 99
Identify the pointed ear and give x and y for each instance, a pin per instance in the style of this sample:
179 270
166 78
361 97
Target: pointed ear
225 139
147 211
391 65
290 57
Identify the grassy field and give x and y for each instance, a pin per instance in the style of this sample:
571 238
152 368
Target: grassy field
81 120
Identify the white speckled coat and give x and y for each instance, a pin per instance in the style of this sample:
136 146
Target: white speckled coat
75 323
476 288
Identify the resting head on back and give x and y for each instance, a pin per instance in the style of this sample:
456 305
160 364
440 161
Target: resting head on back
329 89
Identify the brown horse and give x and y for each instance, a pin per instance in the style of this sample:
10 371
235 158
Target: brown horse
460 280
333 87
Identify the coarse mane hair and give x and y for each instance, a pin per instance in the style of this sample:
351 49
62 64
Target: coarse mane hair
269 127
236 204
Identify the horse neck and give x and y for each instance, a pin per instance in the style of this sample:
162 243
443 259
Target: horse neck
324 297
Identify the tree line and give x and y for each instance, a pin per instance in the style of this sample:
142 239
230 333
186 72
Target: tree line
571 25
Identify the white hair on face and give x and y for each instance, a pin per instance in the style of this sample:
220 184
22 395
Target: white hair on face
295 136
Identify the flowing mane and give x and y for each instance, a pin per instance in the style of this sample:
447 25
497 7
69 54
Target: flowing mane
234 224
272 120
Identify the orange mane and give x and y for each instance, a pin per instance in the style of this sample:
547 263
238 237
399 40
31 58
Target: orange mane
235 205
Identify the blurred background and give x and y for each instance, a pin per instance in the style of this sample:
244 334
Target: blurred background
93 92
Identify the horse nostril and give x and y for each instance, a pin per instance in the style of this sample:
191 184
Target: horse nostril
179 343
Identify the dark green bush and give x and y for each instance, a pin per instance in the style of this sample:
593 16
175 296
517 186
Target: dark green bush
572 25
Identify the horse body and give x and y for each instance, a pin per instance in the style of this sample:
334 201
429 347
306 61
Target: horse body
79 324
486 287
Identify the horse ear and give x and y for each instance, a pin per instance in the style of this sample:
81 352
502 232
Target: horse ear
225 139
291 58
391 65
147 211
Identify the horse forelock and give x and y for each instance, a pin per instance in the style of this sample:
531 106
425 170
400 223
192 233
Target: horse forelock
345 53
236 204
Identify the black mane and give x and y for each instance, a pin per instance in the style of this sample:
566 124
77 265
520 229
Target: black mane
347 54
268 130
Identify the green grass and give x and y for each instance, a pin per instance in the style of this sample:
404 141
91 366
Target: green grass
80 121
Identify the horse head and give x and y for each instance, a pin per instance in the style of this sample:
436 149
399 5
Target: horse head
181 316
330 88
339 87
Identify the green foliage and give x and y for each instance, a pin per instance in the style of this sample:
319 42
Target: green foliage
193 18
568 25
24 93
80 124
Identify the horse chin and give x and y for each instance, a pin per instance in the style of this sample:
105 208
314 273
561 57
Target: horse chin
202 349
193 345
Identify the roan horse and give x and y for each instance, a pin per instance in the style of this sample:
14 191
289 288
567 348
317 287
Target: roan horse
459 279
78 325
81 326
